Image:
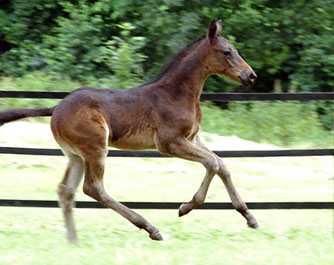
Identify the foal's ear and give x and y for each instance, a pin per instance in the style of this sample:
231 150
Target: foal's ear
214 29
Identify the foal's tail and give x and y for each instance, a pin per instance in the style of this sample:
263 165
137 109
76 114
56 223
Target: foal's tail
15 114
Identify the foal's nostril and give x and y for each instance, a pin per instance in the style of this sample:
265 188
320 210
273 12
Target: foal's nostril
252 77
247 77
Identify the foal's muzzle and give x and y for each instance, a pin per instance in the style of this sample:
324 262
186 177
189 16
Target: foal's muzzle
247 77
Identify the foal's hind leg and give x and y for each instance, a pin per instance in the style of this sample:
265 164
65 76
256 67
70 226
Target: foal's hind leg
93 187
236 199
93 150
66 191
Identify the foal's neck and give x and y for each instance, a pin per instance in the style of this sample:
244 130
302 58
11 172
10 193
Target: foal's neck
188 73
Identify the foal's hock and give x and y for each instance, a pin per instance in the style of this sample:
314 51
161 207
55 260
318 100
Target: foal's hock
163 114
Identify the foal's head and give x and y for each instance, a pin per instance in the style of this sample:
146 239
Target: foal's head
223 57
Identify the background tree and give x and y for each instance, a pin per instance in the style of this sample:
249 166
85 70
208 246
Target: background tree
288 43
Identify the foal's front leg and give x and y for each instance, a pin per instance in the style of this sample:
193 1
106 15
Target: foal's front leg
183 148
225 176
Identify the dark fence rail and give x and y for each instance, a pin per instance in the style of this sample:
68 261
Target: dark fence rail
122 153
175 205
204 96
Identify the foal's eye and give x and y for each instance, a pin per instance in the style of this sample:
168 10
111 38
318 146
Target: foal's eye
227 53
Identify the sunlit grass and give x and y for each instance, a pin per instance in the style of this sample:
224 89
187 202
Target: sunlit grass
37 235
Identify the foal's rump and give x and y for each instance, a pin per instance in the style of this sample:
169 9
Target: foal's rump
79 125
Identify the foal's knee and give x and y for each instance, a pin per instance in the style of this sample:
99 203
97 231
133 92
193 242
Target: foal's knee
212 164
223 171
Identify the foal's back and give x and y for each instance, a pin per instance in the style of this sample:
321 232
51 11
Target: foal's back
119 118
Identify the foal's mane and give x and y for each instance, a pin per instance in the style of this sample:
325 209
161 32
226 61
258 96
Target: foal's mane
175 60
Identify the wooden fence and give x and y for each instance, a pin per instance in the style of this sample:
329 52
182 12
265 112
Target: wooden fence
222 97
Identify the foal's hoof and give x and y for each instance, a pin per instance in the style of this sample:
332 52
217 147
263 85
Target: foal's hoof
156 236
253 224
72 239
184 209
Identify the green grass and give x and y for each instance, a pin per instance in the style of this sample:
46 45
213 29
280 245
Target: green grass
37 235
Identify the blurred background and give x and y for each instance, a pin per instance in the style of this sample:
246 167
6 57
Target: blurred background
48 45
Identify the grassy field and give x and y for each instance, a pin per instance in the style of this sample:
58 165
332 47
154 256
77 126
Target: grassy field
37 235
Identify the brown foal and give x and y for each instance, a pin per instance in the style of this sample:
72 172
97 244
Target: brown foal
164 114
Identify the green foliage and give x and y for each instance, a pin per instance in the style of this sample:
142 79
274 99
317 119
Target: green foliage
122 56
286 42
279 123
23 26
73 48
36 81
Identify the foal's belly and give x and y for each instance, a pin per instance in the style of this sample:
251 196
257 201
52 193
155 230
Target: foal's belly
137 141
